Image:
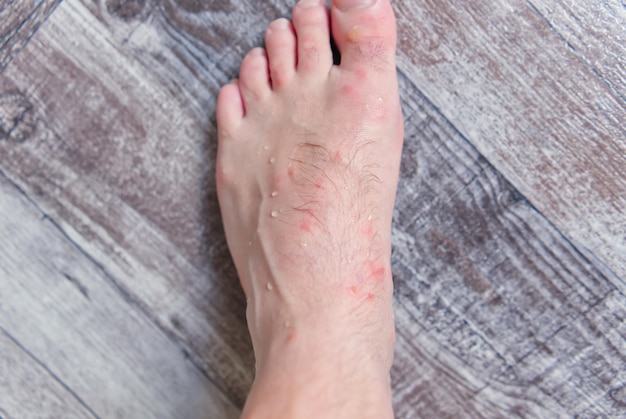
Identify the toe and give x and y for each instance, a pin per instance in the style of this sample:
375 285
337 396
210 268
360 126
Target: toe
230 109
280 40
365 33
311 22
254 78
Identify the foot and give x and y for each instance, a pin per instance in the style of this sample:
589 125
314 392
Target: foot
307 171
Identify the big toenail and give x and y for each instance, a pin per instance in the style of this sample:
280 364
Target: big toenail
309 3
345 5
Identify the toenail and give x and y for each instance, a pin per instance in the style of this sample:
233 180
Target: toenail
345 5
309 3
280 24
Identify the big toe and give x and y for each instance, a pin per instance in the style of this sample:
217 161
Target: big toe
365 33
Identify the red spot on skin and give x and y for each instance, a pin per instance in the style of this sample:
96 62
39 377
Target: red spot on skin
291 337
370 298
291 172
305 225
360 74
353 289
367 230
377 272
279 179
222 176
337 157
348 90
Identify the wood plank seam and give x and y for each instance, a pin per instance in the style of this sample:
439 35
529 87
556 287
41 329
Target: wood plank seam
593 288
584 254
50 373
582 59
126 296
518 81
5 61
570 280
605 273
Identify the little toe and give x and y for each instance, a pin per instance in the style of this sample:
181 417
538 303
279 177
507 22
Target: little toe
229 109
311 22
254 78
365 33
280 40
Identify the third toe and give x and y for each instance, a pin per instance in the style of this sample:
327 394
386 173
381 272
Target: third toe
280 40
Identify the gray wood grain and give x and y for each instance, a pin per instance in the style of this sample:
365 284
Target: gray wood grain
132 182
64 310
542 116
27 389
497 313
107 127
595 32
19 20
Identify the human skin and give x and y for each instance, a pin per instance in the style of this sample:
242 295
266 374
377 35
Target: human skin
307 171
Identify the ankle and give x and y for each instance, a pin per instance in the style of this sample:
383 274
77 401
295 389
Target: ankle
297 386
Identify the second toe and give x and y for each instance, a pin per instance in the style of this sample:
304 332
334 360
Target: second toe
311 22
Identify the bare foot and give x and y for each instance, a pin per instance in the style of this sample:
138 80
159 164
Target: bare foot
307 172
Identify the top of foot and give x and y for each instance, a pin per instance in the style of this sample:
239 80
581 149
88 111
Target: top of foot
307 170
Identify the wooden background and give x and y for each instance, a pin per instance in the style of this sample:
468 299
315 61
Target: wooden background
117 294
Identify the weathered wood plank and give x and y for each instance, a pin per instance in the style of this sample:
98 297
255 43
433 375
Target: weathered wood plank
595 31
511 85
117 155
68 314
497 314
28 389
19 20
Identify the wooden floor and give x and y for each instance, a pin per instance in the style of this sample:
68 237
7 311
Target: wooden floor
117 294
